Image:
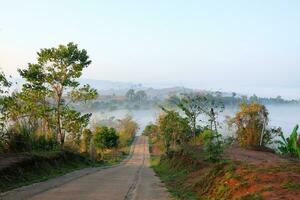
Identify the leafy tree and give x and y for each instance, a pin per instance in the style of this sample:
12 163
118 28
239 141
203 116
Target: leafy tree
173 128
194 105
86 93
74 123
151 130
55 73
127 129
4 86
140 96
4 83
106 138
130 95
191 105
251 123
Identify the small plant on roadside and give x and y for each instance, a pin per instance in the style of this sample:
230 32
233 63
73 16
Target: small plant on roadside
290 146
106 138
213 146
86 140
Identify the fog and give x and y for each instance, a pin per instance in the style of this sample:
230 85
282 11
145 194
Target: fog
284 116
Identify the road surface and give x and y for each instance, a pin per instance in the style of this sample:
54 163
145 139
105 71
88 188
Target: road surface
133 180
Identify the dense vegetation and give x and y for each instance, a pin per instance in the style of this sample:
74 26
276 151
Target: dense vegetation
185 142
40 121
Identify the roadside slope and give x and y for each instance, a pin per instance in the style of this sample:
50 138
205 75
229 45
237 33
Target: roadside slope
131 180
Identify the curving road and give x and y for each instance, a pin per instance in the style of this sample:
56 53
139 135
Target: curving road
131 180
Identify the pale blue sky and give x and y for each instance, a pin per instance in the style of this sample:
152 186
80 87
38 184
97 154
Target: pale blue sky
248 46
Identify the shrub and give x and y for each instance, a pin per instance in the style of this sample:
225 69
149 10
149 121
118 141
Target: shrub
251 123
127 129
19 143
86 140
40 143
212 146
290 146
151 130
106 138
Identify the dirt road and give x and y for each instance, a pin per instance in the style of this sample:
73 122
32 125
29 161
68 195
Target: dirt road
131 180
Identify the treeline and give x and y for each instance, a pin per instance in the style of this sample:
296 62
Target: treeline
42 116
132 100
234 99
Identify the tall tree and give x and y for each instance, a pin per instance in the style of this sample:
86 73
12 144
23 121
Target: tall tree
56 73
173 128
4 85
192 105
130 94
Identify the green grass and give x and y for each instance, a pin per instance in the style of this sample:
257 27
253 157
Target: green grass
291 186
251 196
173 179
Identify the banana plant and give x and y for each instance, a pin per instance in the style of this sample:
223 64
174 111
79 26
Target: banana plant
289 146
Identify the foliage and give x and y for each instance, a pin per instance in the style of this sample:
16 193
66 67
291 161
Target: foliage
213 145
173 128
106 138
251 123
193 105
74 123
85 93
4 83
235 99
21 139
138 96
4 86
127 129
151 130
54 74
86 140
290 145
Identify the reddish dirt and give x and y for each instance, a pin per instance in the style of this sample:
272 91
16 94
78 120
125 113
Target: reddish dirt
266 173
253 157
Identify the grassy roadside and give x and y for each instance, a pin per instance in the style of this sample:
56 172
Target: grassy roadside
189 177
42 166
173 179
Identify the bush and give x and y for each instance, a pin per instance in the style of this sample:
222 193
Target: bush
86 140
251 121
22 139
39 143
19 143
173 129
127 129
290 146
2 147
213 146
150 130
106 138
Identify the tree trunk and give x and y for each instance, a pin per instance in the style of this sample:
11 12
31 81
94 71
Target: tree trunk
58 123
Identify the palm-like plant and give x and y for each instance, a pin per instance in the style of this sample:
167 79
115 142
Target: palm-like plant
289 146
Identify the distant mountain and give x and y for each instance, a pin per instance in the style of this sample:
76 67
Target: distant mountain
109 85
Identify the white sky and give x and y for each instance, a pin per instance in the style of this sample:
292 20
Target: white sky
241 45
